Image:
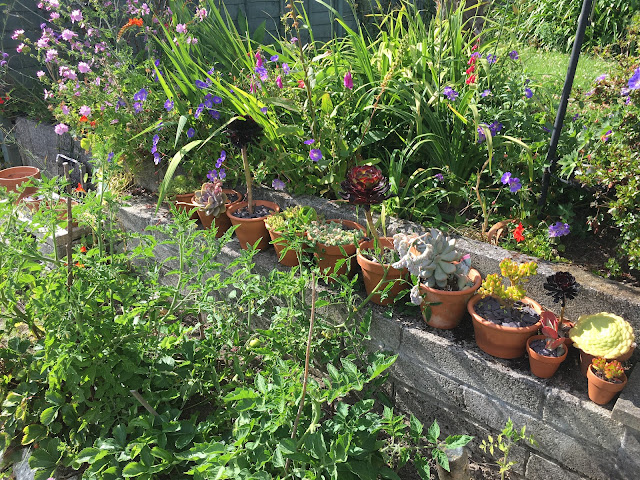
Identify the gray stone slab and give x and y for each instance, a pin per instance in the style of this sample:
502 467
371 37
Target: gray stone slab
627 408
571 453
628 462
386 333
539 468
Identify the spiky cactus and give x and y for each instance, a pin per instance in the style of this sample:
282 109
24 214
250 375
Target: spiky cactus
433 258
211 198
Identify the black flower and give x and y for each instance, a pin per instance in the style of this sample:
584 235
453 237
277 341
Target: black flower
244 130
365 186
561 286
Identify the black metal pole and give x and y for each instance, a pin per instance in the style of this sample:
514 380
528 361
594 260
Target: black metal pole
552 160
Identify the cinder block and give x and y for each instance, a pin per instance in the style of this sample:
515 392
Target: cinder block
582 418
629 455
572 453
539 468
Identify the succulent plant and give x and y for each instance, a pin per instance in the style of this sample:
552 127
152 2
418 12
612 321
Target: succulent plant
550 329
562 286
517 274
432 258
211 198
603 335
243 131
293 219
610 370
334 233
366 186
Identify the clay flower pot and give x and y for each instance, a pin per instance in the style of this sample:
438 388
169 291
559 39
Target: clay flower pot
184 203
541 365
451 305
499 341
586 358
372 273
12 178
250 230
328 255
601 391
290 258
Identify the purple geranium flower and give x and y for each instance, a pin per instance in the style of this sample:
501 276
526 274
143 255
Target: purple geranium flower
513 55
528 93
506 176
450 93
262 73
558 229
141 96
492 58
514 184
137 107
277 184
601 78
311 141
168 105
634 81
274 58
215 114
315 154
495 128
200 84
216 99
486 93
285 68
439 177
191 132
212 175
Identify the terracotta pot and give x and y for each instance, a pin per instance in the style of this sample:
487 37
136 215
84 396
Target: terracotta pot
251 229
290 258
452 305
602 391
12 178
372 273
328 255
184 203
586 358
229 192
499 341
542 366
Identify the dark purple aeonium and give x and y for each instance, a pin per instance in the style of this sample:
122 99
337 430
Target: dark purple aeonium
241 132
562 286
366 186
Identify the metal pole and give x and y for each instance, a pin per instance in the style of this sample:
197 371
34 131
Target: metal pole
552 160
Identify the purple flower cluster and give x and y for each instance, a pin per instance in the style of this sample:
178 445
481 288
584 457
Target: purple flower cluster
494 128
513 182
139 98
558 229
277 184
154 149
218 172
450 93
634 81
513 55
492 59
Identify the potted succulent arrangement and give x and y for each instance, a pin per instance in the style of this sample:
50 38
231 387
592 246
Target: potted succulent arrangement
212 204
366 186
334 244
603 335
445 280
504 317
562 286
606 379
288 230
547 351
249 215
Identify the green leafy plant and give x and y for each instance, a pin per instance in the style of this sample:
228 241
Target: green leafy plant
503 443
517 274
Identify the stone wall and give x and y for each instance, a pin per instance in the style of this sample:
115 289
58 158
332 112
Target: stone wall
443 375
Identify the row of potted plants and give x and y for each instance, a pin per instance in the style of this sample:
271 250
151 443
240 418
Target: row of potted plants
505 320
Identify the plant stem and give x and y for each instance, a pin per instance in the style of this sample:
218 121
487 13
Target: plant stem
483 205
247 176
372 227
306 362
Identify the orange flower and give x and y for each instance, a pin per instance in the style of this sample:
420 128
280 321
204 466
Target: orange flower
80 265
83 249
517 233
83 118
80 189
136 21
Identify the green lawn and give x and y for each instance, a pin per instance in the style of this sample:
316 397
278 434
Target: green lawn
550 68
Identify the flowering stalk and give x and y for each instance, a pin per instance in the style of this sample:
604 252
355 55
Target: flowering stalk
247 176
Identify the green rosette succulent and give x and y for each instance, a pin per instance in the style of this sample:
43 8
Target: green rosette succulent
603 335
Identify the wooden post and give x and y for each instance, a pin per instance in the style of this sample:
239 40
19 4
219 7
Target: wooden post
69 228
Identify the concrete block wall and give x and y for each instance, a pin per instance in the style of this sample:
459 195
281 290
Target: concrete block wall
443 375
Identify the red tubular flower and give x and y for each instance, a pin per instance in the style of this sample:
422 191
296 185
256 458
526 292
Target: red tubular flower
79 188
92 123
471 69
517 233
83 118
470 79
83 249
301 83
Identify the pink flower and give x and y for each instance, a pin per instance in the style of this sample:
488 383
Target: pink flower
65 110
84 67
17 34
348 81
279 81
258 59
181 28
43 42
201 13
191 40
68 34
61 128
76 16
40 74
54 16
47 94
85 110
52 54
20 47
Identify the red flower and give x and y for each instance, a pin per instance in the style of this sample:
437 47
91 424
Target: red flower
1 100
83 118
471 79
301 83
517 233
80 265
80 189
83 249
471 69
92 123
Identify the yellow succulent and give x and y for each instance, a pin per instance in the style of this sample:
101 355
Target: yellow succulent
603 335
